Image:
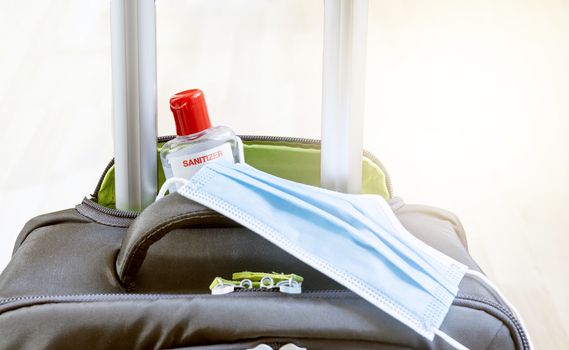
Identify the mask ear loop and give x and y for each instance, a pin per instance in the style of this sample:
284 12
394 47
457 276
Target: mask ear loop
171 181
449 340
480 277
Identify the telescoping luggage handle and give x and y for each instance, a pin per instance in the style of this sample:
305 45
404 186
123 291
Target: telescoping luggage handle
133 56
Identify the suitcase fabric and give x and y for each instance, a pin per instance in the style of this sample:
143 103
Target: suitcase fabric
68 286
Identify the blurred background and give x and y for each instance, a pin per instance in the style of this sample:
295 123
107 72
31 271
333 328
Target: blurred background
466 104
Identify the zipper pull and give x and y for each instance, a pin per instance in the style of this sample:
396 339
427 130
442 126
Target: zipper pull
261 347
289 346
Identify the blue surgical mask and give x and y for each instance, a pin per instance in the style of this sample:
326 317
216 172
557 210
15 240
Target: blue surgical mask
372 211
353 239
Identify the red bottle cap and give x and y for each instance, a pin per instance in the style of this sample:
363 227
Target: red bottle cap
190 112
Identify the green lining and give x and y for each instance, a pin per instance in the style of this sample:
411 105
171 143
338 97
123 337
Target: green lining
293 161
258 276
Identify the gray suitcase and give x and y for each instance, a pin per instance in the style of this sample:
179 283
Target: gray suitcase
67 286
97 277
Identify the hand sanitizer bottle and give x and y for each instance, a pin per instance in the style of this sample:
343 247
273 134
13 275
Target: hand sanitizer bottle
197 142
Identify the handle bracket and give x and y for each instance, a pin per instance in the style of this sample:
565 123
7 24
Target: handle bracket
133 57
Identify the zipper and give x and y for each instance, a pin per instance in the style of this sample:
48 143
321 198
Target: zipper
133 214
101 297
23 301
110 211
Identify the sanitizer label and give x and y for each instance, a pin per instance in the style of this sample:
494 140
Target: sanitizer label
187 165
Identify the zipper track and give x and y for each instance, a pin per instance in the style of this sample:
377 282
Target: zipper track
110 211
70 298
133 214
504 310
118 296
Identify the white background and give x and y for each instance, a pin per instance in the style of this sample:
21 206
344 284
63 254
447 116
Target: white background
466 105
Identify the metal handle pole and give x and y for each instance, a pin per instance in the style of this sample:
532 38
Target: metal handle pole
133 47
133 58
343 88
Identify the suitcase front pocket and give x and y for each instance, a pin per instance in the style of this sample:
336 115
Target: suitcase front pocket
315 320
